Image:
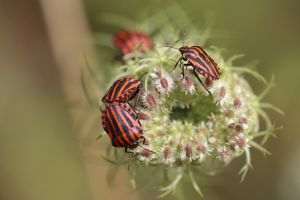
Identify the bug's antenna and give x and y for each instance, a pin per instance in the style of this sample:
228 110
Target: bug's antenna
181 37
170 47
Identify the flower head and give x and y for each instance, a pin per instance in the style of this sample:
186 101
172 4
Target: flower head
183 126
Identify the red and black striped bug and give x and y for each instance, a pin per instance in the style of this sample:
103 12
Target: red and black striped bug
201 62
122 90
121 124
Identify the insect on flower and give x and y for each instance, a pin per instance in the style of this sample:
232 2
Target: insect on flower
129 41
122 90
122 127
201 62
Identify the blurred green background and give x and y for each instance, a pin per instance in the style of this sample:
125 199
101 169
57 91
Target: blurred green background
46 151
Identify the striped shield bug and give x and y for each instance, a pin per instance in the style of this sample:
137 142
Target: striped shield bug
122 90
123 128
137 115
201 62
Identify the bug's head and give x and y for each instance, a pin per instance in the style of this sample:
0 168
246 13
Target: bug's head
183 49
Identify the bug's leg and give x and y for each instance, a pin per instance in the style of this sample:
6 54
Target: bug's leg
144 140
137 99
179 60
131 109
197 76
183 70
127 150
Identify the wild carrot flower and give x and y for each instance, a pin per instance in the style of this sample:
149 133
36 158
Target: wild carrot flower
184 126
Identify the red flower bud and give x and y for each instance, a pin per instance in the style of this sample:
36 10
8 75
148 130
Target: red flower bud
129 41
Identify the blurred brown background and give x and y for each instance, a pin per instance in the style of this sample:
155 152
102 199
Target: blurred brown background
43 152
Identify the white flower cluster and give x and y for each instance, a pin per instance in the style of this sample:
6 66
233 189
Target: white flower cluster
223 135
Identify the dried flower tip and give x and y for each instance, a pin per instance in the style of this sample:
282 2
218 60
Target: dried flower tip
239 128
167 153
129 41
224 154
243 120
163 82
146 153
188 85
222 92
179 147
188 151
231 125
229 113
239 141
237 103
149 100
202 148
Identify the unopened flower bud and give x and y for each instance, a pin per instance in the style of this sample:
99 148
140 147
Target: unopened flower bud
188 151
237 103
167 153
129 41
